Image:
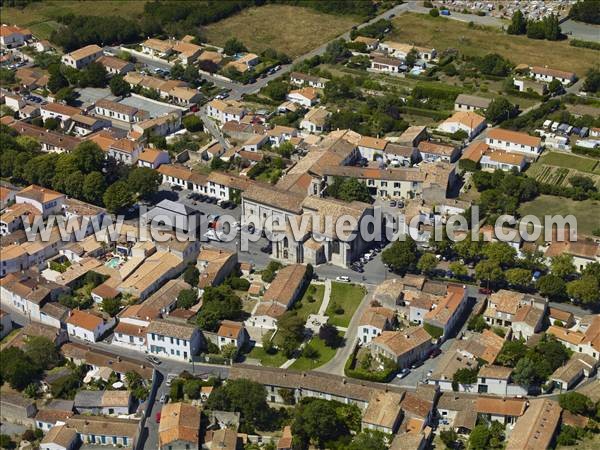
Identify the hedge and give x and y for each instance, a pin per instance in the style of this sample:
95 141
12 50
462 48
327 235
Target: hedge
585 151
585 44
351 371
433 114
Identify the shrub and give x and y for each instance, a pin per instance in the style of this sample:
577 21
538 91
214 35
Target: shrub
239 284
434 12
192 123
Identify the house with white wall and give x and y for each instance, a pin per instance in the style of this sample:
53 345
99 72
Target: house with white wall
173 340
87 326
514 141
375 321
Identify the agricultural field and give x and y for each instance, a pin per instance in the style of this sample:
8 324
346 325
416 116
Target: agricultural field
557 168
441 34
40 17
585 211
290 29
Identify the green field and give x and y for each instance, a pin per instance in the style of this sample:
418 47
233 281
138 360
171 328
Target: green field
266 359
441 33
293 30
585 211
569 161
325 354
40 17
346 295
304 308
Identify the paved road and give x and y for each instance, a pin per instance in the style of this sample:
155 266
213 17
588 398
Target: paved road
212 128
336 364
580 30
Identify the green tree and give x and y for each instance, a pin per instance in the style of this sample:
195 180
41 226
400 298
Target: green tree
499 110
43 351
316 421
552 286
483 437
449 438
192 123
118 197
500 253
427 263
458 269
411 57
489 272
518 277
144 180
93 187
51 123
562 265
592 81
511 353
93 75
233 46
586 11
349 189
291 331
177 71
191 275
518 23
218 303
369 440
111 306
246 397
576 403
192 388
6 442
585 290
119 87
17 368
336 52
401 256
555 87
477 323
465 376
434 12
187 298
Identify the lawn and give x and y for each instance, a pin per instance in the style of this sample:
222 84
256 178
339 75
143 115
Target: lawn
303 307
325 354
40 17
440 33
290 29
348 297
266 359
585 211
569 160
592 442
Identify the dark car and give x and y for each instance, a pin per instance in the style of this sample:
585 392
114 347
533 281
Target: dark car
485 291
435 352
177 188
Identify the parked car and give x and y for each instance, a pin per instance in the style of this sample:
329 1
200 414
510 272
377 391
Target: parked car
435 352
403 373
417 364
153 359
343 278
170 378
158 417
164 398
485 291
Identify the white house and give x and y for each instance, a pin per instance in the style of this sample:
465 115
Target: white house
225 111
80 58
44 200
60 437
548 75
63 113
375 321
315 120
494 159
125 151
467 121
301 79
306 97
87 326
13 36
386 64
153 158
514 141
119 111
105 402
173 340
231 333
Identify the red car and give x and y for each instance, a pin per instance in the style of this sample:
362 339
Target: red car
485 291
158 417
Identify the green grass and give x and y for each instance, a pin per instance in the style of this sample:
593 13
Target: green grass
293 30
304 308
585 211
40 17
570 161
325 354
441 33
267 359
348 296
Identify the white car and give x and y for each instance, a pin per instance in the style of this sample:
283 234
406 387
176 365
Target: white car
343 278
170 378
402 373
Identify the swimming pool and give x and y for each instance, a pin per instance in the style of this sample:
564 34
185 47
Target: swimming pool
113 263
